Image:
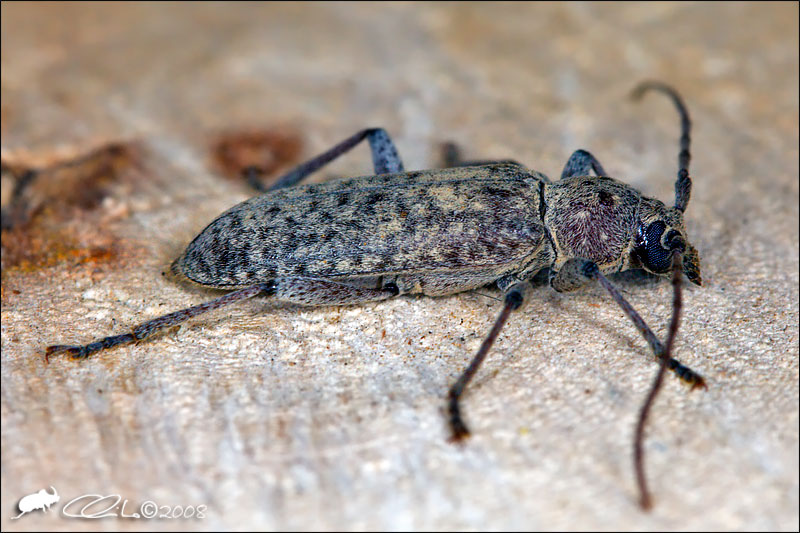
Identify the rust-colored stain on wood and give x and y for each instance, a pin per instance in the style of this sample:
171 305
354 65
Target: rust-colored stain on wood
267 150
52 214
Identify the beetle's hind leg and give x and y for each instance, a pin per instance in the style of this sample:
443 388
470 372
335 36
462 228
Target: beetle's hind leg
318 292
582 163
302 291
149 328
385 160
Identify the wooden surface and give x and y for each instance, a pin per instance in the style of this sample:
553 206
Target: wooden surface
282 418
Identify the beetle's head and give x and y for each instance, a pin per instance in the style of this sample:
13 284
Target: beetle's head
660 231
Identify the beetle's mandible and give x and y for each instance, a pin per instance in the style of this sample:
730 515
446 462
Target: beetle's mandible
438 232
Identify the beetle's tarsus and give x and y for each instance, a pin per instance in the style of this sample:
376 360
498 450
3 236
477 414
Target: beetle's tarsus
458 431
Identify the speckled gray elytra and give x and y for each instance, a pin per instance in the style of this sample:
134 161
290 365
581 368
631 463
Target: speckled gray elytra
438 232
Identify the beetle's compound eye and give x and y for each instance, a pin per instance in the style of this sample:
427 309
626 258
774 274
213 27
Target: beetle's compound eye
654 247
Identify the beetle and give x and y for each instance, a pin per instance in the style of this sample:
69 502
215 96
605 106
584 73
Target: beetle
437 232
38 500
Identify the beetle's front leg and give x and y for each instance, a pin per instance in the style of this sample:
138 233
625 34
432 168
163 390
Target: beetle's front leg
582 163
576 272
514 298
572 275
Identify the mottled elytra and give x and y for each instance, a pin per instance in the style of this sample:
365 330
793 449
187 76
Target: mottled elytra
438 232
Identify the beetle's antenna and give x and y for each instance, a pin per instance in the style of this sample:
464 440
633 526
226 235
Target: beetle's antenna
683 185
645 499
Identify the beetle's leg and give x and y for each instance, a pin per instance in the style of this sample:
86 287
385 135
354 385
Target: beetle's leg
385 159
577 272
514 298
452 157
582 163
303 291
14 213
314 291
571 276
147 329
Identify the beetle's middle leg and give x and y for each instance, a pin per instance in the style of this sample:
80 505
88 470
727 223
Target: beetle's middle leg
514 298
452 157
582 163
385 159
577 272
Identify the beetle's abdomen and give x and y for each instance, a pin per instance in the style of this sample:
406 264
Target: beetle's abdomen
397 227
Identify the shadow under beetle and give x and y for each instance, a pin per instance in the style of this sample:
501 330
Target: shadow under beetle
438 232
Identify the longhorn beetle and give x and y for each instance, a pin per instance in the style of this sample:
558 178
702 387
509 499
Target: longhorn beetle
439 232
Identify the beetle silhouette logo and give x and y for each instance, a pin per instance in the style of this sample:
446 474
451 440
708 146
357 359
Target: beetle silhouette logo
38 500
